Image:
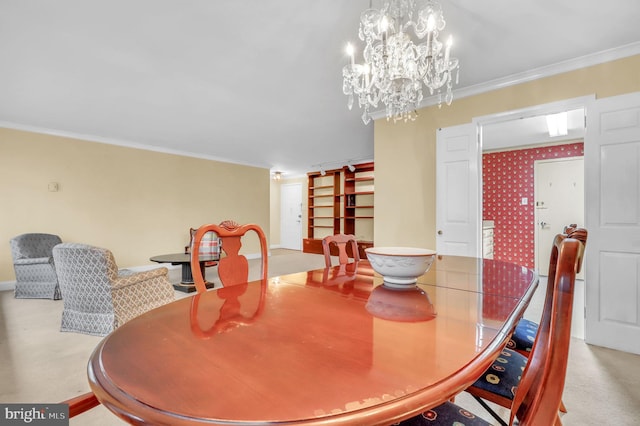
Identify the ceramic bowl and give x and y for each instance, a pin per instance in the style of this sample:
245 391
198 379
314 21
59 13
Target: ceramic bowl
400 267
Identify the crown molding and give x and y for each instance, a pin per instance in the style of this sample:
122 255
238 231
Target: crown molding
121 142
620 52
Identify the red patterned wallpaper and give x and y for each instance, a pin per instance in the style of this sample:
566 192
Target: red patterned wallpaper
507 178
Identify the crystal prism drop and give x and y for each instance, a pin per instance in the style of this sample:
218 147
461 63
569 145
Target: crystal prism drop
350 102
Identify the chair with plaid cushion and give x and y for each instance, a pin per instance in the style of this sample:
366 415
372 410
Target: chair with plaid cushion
209 245
97 296
33 263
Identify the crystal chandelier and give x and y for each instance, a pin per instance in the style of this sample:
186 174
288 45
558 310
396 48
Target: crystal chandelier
396 68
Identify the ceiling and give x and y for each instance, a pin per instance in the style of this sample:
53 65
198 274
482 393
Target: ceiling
253 82
530 131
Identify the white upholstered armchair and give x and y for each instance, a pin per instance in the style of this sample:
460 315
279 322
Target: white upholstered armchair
33 263
97 296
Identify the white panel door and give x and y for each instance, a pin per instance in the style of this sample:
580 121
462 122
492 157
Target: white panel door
291 216
612 169
559 201
457 191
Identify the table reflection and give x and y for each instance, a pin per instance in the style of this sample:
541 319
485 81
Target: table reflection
227 309
411 304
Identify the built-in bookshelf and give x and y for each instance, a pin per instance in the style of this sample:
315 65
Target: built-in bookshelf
358 202
340 201
323 204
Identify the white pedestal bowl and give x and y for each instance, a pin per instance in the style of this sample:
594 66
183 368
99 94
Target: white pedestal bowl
400 267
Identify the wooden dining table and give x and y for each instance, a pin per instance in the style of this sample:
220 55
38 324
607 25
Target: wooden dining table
324 347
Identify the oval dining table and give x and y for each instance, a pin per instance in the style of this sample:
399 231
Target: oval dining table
324 347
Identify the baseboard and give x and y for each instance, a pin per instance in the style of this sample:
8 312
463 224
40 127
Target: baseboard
150 267
7 285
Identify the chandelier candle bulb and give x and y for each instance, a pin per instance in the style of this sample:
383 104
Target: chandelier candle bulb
351 52
431 26
448 50
384 25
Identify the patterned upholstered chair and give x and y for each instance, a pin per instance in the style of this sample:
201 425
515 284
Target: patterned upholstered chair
97 296
33 263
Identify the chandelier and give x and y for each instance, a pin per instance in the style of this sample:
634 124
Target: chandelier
396 69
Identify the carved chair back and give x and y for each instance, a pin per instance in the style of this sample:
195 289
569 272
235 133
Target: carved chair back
233 268
341 241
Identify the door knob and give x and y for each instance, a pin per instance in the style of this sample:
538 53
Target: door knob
439 232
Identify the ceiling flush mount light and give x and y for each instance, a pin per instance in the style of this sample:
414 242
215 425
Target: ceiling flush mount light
557 124
277 175
395 68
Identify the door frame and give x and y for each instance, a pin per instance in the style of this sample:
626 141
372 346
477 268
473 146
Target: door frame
536 110
584 102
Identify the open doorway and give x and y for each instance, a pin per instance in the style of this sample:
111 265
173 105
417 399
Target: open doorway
511 147
525 178
510 197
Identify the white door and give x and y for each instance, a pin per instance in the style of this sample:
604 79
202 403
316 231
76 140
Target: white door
291 216
559 201
457 191
612 179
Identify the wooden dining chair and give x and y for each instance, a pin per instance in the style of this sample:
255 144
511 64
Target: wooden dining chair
233 268
525 332
504 375
81 403
535 398
340 241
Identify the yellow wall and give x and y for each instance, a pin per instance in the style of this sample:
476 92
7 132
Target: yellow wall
405 152
134 202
